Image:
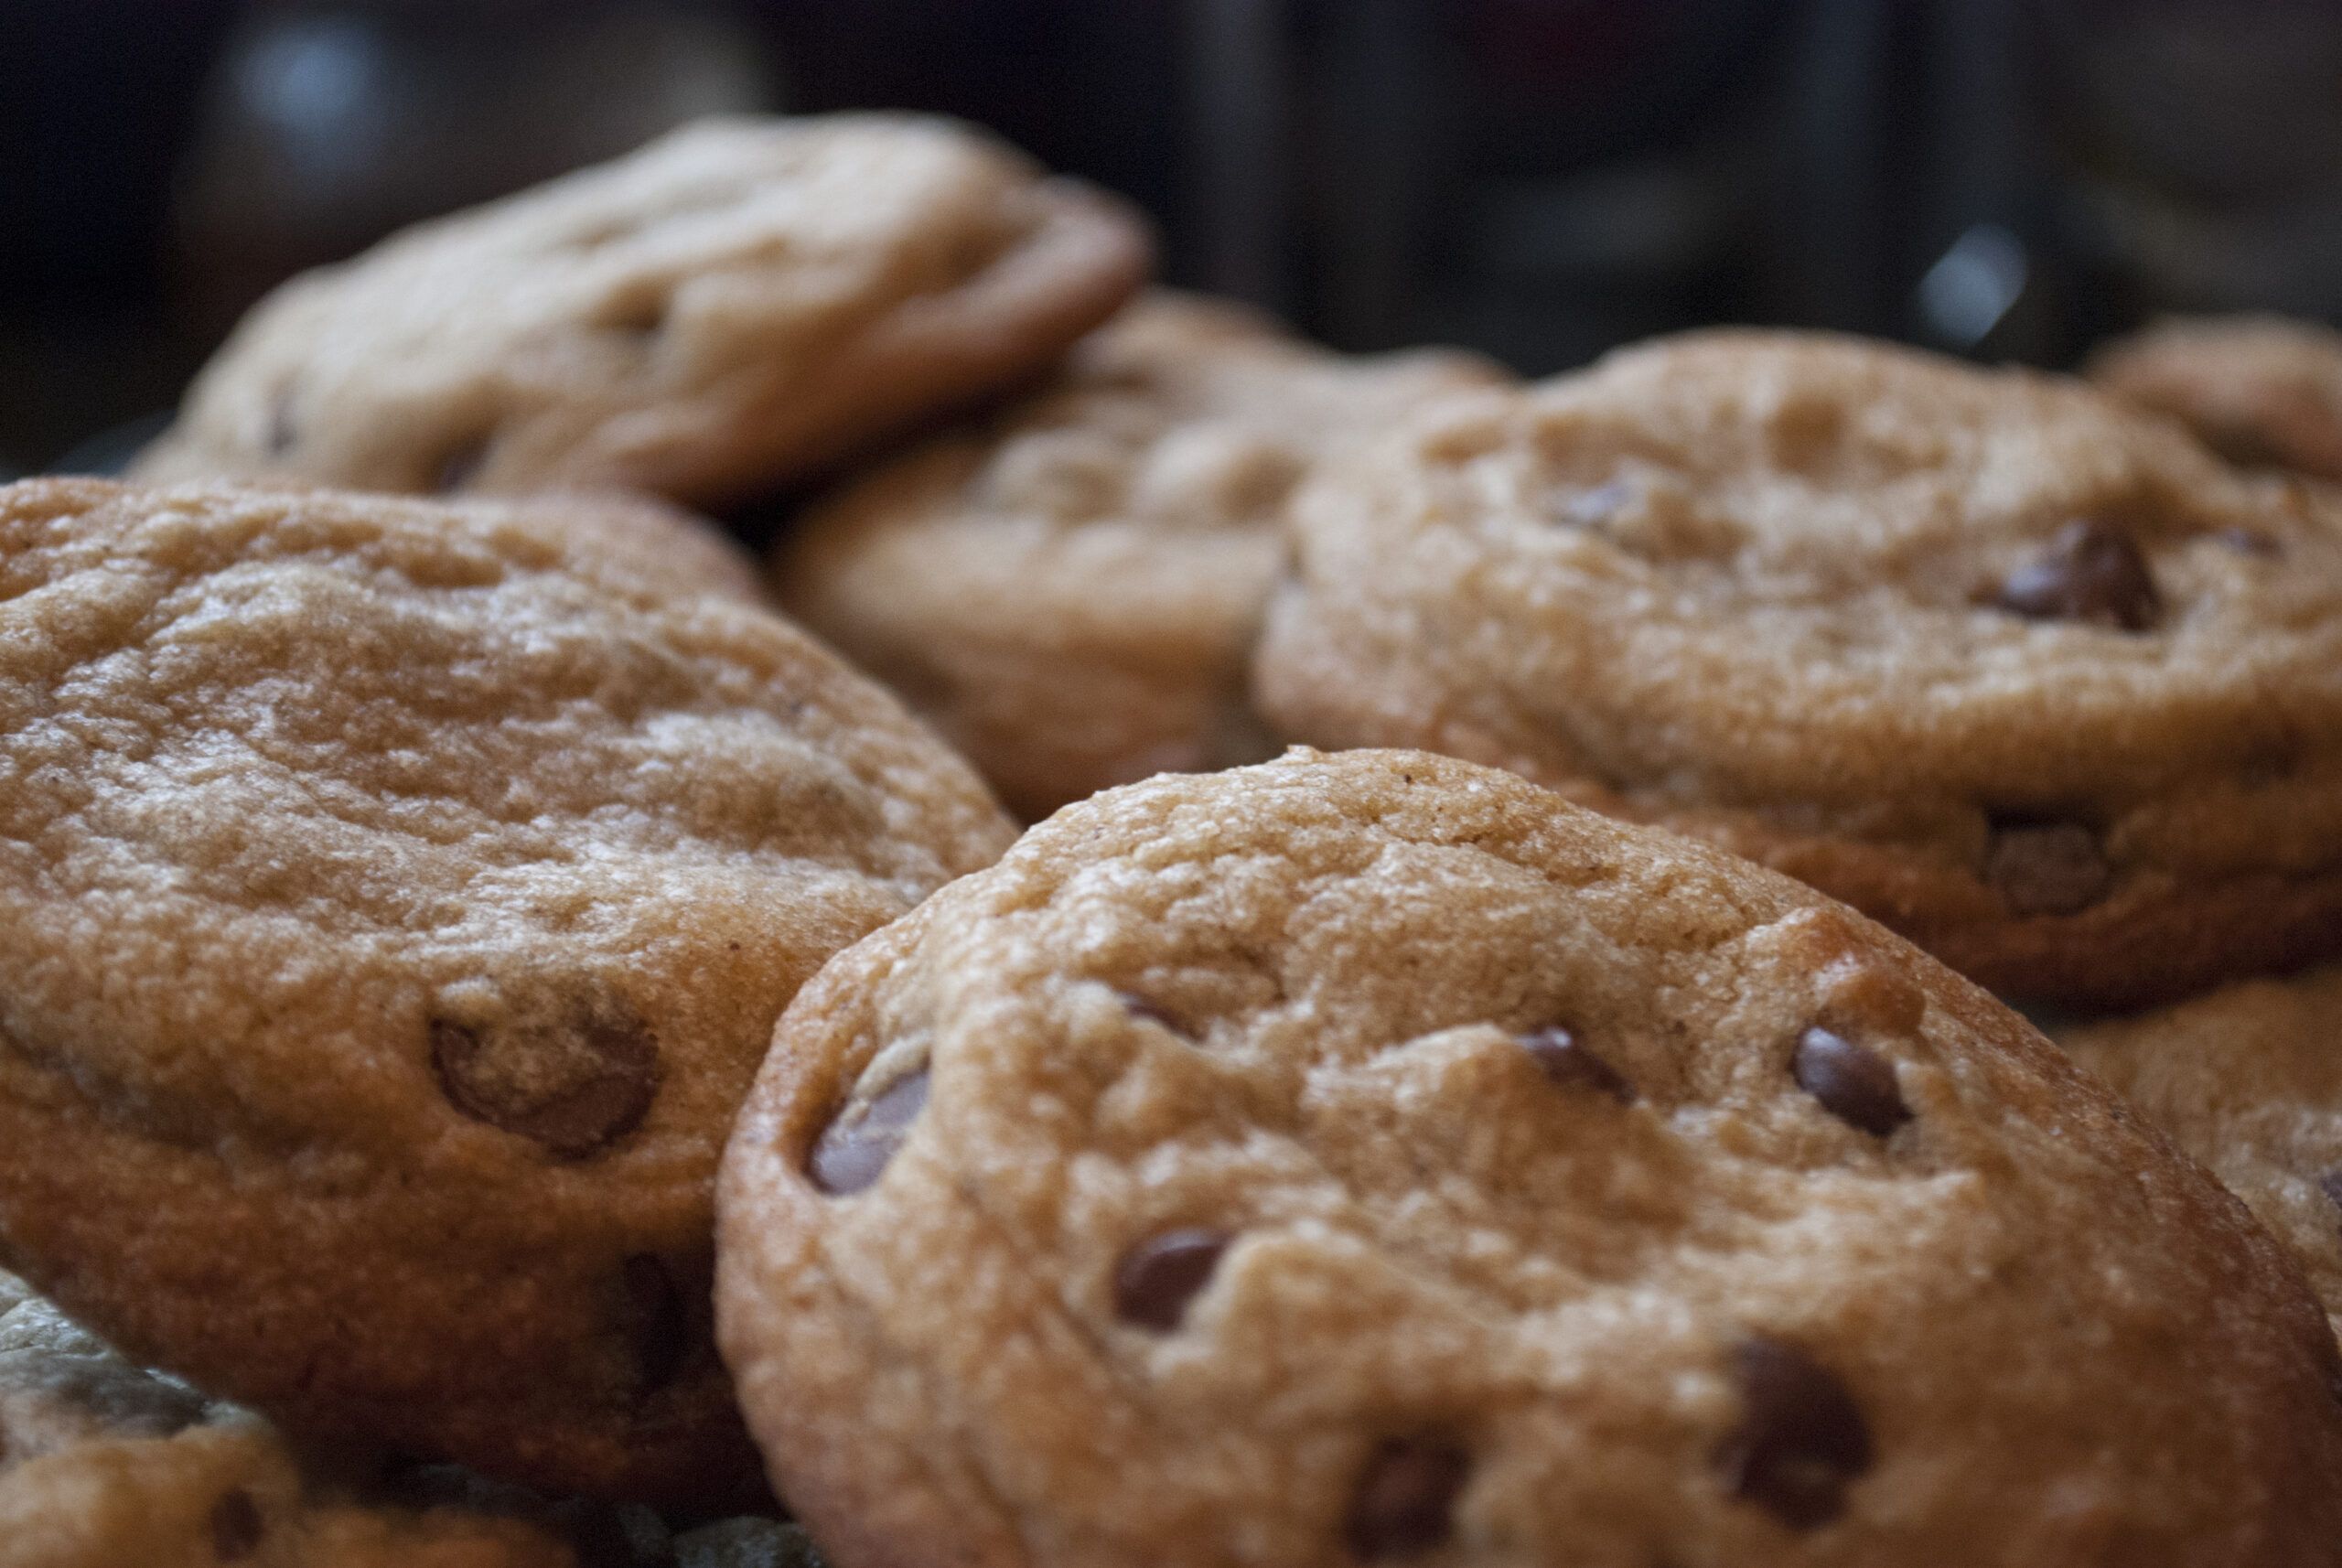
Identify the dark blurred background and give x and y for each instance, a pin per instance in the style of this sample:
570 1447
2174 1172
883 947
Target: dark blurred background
1540 178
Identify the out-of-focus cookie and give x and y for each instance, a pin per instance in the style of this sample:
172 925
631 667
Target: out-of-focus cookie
671 547
1071 592
1990 655
2249 1080
104 1465
1373 1158
399 900
2260 390
726 310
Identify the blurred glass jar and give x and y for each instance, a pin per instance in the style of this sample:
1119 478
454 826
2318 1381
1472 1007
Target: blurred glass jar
324 127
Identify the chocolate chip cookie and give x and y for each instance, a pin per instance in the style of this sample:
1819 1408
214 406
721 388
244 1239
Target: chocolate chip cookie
2248 1079
104 1465
1989 655
2260 389
399 900
726 310
1071 592
1373 1158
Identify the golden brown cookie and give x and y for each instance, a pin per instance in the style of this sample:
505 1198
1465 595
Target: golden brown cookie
2248 1080
728 309
1373 1158
1070 592
646 536
1990 655
2263 389
398 899
104 1465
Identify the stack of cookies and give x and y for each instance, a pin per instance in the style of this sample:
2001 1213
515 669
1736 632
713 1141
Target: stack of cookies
526 1040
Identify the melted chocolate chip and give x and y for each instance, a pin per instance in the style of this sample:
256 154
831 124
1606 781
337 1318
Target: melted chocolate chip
2330 1184
236 1526
460 467
577 1088
653 1320
1801 1438
644 316
1565 1060
1853 1083
2092 571
1147 1011
2048 868
1405 1503
850 1155
282 432
1157 1278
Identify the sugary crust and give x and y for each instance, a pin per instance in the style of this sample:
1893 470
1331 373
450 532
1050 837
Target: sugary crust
1742 584
1290 1007
2248 1080
1070 592
732 307
2260 390
399 900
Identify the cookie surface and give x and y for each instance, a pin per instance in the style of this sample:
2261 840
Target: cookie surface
106 1465
726 310
678 552
399 903
2248 1080
2260 389
1070 592
1988 655
1371 1157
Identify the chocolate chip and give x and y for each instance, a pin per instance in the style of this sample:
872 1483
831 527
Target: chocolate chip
1157 1278
282 432
1854 1083
1405 1501
2248 541
576 1086
639 316
236 1526
2092 571
850 1155
2330 1184
460 467
1801 1438
1147 1011
653 1320
1570 1065
2048 868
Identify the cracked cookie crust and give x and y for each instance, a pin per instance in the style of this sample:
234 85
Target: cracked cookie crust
1071 590
398 901
1991 655
722 312
1372 1159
